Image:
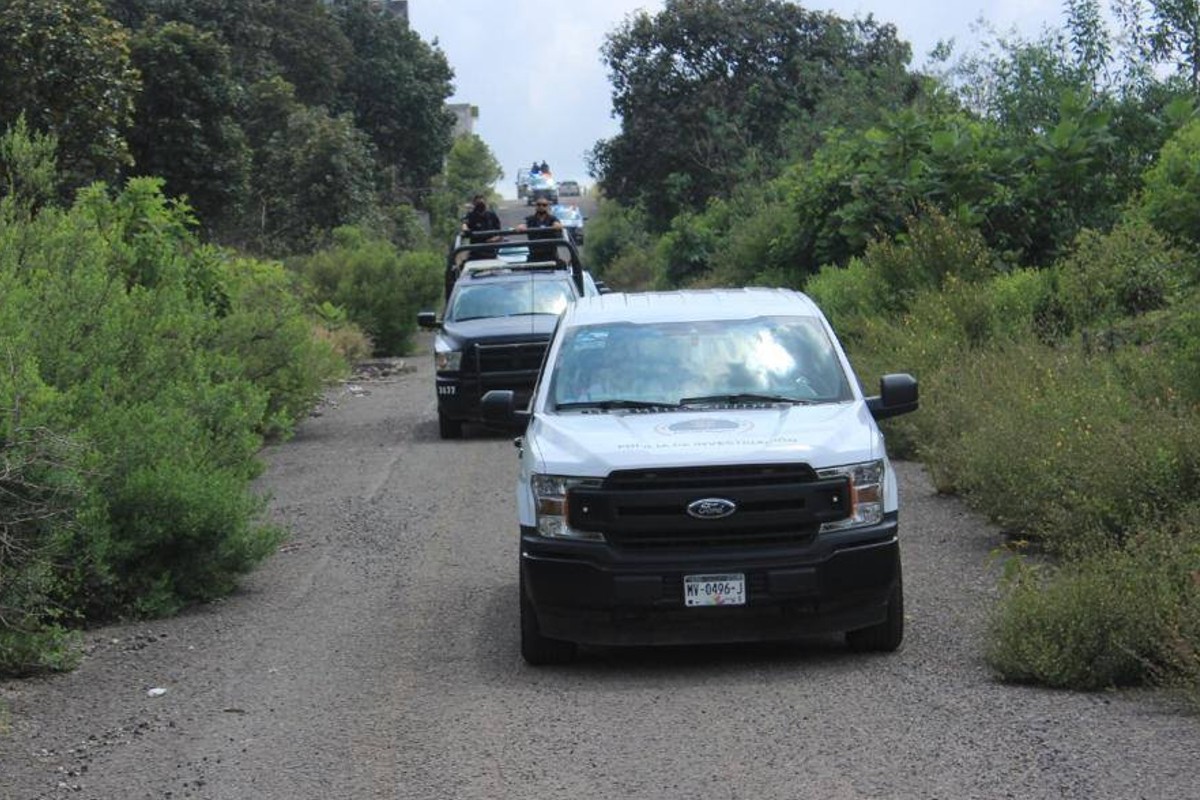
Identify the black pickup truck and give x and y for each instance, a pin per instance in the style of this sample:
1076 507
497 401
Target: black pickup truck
503 299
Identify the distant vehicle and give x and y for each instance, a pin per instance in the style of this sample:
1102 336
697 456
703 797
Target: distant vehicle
572 220
522 182
568 189
541 187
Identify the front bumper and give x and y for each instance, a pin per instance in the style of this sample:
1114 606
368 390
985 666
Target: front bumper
592 594
461 398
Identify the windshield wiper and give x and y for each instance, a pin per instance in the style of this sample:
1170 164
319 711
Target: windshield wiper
607 405
744 397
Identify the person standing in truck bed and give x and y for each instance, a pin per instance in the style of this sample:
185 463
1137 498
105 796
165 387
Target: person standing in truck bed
541 218
482 224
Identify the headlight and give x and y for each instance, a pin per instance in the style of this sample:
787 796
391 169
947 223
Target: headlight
866 495
550 503
448 360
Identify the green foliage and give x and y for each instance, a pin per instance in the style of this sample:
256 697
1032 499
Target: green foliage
28 172
846 294
612 231
635 270
273 343
1126 272
471 168
66 66
1171 196
186 532
753 249
1175 37
711 92
186 130
1122 617
314 174
380 289
167 362
395 89
687 248
198 88
931 251
1073 456
39 488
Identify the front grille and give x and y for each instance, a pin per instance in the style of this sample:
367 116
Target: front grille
776 505
509 358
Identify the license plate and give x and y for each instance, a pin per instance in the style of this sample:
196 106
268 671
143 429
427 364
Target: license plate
714 590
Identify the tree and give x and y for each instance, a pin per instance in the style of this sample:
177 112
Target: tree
28 172
65 65
312 171
707 88
471 168
1176 36
297 40
186 130
396 87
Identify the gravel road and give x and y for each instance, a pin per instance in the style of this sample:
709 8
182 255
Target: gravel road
375 656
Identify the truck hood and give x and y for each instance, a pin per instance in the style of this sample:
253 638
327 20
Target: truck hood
596 444
536 326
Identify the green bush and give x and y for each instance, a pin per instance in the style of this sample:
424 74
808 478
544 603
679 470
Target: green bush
1171 187
380 289
1057 445
1122 617
1129 271
635 270
934 249
186 535
849 296
271 342
611 232
167 361
686 250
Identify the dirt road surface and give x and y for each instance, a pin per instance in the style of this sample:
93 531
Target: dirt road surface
375 656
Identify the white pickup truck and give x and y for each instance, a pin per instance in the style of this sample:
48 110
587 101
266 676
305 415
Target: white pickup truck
702 466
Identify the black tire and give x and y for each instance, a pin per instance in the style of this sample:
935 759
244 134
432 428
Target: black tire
537 650
887 635
449 428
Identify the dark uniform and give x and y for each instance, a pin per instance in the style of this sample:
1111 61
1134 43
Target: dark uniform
543 252
481 220
478 221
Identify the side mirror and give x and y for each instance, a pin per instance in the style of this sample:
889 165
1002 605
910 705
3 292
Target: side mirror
499 410
897 395
428 320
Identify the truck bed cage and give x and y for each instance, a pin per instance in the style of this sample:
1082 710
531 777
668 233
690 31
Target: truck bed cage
466 247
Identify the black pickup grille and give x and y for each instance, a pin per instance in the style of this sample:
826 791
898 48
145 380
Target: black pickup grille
510 358
776 505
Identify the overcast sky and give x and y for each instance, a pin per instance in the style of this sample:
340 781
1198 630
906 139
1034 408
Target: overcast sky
533 67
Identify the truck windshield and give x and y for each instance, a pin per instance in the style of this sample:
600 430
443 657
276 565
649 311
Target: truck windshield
511 298
765 360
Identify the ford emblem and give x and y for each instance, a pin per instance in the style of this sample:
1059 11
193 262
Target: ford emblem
711 508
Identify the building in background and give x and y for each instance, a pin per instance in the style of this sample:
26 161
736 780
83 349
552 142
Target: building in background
465 115
397 8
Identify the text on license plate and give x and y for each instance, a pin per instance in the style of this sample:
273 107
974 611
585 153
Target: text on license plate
714 590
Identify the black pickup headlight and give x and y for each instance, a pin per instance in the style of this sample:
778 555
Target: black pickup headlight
448 360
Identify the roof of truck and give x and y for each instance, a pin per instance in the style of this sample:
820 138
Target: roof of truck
692 304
